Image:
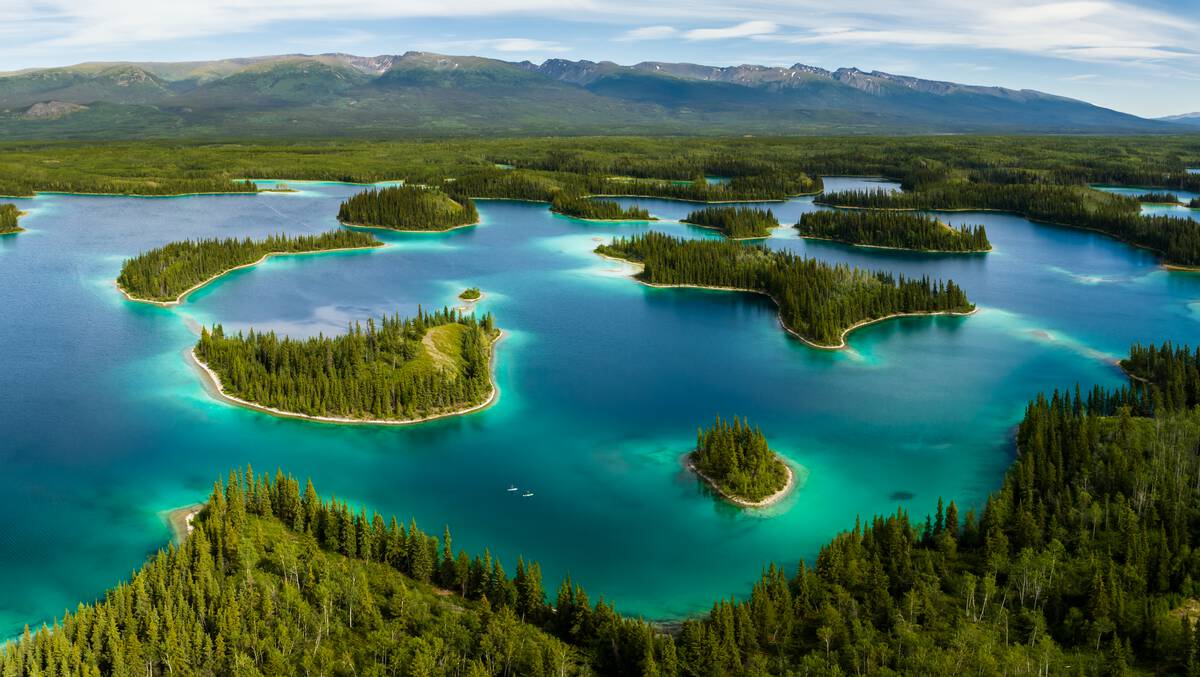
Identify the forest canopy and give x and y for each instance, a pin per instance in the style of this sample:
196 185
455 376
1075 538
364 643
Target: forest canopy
738 223
407 208
818 301
165 273
392 370
596 209
899 230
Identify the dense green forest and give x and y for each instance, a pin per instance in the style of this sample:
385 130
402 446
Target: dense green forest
774 186
817 301
396 369
900 230
1160 198
470 294
1176 239
739 223
164 273
9 215
1082 562
736 458
1164 377
602 210
1194 203
407 208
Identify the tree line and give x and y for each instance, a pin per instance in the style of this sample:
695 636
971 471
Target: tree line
1160 198
396 369
9 215
1176 239
162 274
736 458
735 222
588 208
899 230
774 186
407 208
1082 562
817 300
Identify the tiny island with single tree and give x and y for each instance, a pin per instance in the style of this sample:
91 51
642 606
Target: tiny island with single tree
9 215
819 303
397 370
166 275
735 223
590 209
893 230
408 208
734 459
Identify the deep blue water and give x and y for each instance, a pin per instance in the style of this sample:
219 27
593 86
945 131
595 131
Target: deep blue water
103 425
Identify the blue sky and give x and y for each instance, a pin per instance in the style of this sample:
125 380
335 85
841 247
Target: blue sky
1139 57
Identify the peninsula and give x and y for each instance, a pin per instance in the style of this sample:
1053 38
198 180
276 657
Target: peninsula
736 462
408 208
9 215
892 230
580 207
818 302
165 276
393 371
735 223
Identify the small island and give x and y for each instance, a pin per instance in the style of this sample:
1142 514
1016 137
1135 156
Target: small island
165 276
471 295
409 209
735 223
9 215
893 230
393 371
1159 198
579 207
818 302
736 462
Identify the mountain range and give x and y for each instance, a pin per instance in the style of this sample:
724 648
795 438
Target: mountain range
419 93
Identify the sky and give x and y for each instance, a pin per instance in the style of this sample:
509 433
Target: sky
1138 57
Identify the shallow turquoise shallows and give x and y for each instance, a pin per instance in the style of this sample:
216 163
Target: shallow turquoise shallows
103 424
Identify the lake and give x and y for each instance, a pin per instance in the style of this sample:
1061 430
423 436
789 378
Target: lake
603 385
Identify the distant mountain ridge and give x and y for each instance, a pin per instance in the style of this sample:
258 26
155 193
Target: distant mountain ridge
1185 118
421 93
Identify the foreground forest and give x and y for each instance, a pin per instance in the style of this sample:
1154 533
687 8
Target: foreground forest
1082 562
818 301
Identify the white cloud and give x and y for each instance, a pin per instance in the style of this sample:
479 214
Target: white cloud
746 29
506 45
649 33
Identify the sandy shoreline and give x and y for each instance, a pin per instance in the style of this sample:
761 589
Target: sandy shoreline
401 230
212 383
842 339
179 520
898 249
584 218
179 299
737 500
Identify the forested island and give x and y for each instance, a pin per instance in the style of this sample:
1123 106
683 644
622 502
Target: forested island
471 294
1080 563
408 208
773 187
1158 198
392 371
596 210
734 459
1176 239
167 274
895 230
736 223
9 216
818 302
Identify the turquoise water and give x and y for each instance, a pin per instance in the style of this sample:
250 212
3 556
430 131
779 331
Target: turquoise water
1159 209
103 424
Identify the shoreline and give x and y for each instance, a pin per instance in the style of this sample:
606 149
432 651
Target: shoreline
729 237
765 502
140 195
845 333
212 385
584 218
401 230
898 249
179 299
179 520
